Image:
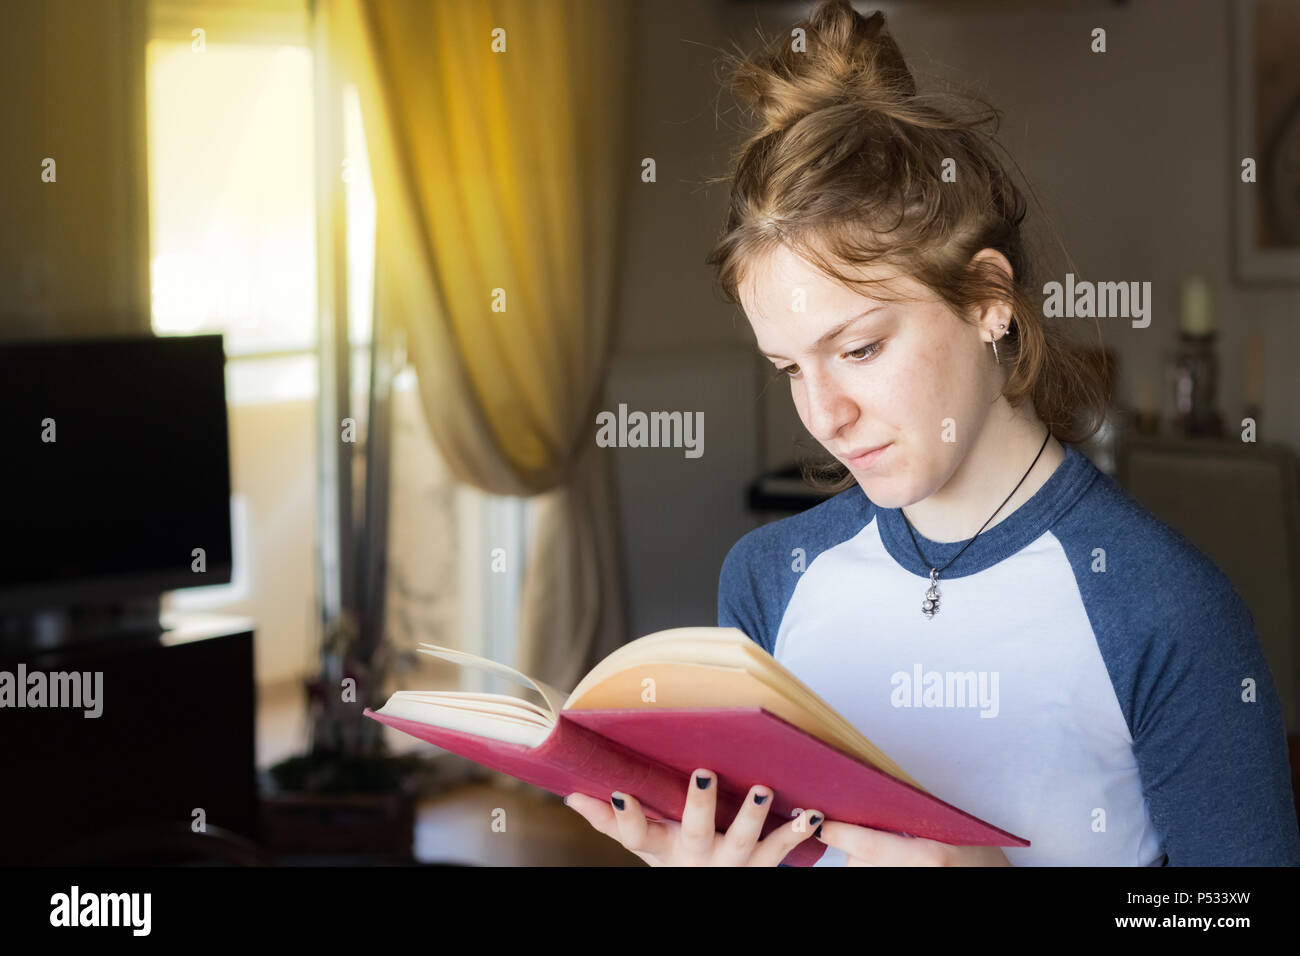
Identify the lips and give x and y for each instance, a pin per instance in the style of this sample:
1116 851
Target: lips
867 457
862 451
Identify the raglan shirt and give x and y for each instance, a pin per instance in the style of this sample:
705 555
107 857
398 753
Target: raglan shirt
1091 681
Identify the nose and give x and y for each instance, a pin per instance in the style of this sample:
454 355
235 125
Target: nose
827 406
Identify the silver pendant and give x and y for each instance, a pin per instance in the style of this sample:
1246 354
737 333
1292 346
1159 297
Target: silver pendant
930 606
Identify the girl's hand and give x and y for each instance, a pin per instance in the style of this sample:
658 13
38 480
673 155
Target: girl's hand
867 847
695 841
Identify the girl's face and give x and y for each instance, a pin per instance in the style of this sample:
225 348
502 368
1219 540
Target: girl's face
910 376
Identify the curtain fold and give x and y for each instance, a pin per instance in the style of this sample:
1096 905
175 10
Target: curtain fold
498 138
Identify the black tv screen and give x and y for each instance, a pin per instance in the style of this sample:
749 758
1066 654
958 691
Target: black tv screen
116 469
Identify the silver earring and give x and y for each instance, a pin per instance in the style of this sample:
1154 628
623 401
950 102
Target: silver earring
994 343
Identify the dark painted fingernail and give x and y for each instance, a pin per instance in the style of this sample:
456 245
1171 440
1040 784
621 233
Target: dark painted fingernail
760 798
702 782
818 832
618 802
815 819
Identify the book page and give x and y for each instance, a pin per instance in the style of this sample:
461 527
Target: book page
503 704
554 699
494 726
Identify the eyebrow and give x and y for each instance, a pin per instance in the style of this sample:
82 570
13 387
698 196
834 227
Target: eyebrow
835 331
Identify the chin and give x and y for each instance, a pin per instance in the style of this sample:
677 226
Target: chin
884 493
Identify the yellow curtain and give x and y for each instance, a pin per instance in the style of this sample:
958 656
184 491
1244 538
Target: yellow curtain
498 138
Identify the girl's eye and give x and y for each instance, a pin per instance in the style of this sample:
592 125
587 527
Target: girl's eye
867 350
859 355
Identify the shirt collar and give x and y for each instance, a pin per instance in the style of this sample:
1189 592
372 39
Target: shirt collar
1026 524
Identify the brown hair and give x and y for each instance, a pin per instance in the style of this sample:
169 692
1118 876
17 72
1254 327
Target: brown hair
846 167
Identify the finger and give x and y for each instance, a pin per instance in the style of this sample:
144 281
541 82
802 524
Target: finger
634 831
868 847
604 819
742 836
699 818
772 849
596 812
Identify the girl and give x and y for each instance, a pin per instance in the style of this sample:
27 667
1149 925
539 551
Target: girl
992 611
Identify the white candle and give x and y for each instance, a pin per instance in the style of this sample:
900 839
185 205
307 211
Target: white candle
1196 318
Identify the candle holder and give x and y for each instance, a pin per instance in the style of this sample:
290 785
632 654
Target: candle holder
1194 377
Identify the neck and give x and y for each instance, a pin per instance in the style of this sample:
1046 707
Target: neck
1006 446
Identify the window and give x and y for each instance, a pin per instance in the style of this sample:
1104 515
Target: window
232 153
232 221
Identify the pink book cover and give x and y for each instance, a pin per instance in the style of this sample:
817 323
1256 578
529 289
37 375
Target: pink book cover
651 753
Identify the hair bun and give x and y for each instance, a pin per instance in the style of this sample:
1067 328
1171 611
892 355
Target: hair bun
849 60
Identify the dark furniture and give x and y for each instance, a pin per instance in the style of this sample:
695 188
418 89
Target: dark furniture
176 734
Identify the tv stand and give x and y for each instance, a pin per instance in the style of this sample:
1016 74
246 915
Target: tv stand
47 629
176 734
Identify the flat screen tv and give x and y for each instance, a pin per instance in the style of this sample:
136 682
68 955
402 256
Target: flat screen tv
115 479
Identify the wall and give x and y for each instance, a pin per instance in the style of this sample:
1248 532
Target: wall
72 252
680 515
678 346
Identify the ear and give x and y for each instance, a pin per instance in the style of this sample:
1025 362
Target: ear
993 317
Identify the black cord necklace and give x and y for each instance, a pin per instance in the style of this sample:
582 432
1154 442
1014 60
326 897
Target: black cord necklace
930 606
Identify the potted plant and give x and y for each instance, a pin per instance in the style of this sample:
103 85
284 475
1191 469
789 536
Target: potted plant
347 795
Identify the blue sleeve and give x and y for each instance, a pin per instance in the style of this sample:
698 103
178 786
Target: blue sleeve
738 604
1195 689
1209 737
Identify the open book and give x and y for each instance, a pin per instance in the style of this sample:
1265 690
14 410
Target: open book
663 705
